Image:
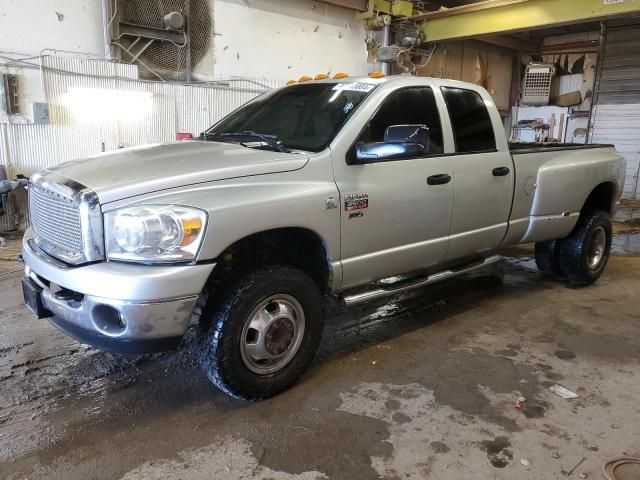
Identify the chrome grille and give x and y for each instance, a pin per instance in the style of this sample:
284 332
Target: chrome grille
56 224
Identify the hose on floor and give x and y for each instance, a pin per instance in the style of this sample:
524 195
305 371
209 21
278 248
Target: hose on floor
609 469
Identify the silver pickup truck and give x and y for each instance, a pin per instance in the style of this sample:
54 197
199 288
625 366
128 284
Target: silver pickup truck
330 187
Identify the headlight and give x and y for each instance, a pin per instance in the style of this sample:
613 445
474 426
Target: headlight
154 233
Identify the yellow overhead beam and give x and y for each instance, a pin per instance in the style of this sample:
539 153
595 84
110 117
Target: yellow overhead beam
508 16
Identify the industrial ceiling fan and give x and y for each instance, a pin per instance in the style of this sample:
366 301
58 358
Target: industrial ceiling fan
167 38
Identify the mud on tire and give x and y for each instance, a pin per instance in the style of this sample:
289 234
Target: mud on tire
223 325
583 255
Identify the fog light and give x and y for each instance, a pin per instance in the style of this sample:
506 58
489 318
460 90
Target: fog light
108 320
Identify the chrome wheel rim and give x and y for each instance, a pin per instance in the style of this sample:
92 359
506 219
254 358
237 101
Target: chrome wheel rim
597 248
272 334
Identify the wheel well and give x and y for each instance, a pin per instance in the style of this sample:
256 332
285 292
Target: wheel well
600 198
298 247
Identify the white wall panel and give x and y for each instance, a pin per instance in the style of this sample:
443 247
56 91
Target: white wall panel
28 26
286 39
619 124
173 108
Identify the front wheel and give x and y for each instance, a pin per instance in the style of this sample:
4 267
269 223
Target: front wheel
583 255
263 335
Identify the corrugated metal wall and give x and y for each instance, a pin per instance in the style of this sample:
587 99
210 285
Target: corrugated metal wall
616 117
26 148
620 125
620 71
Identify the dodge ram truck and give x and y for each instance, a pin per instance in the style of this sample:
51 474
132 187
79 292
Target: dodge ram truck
329 187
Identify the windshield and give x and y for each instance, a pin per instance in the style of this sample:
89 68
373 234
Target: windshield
301 117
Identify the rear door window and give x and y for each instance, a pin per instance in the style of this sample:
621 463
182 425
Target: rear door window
470 120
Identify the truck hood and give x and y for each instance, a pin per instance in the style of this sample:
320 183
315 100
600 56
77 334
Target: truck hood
134 171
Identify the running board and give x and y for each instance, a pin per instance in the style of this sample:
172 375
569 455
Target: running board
369 295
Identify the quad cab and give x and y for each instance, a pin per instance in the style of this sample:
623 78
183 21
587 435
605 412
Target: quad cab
318 188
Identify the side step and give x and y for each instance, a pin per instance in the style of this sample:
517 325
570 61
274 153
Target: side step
380 292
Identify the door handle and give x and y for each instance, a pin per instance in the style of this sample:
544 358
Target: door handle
439 179
500 171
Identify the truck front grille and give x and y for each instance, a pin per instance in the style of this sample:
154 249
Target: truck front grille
56 223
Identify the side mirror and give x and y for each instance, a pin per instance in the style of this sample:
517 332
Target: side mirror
408 134
400 142
380 151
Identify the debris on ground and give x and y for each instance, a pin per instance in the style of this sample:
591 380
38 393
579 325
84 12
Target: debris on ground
562 392
525 462
518 403
576 466
255 469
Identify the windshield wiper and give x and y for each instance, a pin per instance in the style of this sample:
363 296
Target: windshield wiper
270 140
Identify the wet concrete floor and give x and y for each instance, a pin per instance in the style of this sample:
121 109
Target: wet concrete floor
418 386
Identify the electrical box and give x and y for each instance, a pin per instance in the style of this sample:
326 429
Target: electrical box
9 103
40 113
388 54
401 8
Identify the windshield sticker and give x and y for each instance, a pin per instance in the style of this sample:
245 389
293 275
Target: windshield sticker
347 108
356 201
355 87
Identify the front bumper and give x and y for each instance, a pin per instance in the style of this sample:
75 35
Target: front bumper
125 308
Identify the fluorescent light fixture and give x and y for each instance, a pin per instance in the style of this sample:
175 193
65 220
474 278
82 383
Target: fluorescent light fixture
99 104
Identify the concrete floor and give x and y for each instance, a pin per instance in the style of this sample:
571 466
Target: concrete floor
419 386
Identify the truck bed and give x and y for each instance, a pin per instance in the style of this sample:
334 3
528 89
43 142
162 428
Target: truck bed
551 185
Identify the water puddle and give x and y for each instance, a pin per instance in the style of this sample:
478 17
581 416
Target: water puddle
626 244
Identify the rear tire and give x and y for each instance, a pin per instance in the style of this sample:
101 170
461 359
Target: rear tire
264 333
583 255
547 258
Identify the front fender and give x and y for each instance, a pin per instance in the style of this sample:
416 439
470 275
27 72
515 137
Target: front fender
242 207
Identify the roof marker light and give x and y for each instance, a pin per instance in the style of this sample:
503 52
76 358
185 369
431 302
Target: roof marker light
321 76
377 75
340 75
291 82
304 79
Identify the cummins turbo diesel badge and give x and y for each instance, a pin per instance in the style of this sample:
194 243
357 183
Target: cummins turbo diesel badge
356 201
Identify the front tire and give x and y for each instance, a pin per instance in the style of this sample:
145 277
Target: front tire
583 255
263 335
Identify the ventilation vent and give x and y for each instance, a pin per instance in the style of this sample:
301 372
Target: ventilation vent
537 84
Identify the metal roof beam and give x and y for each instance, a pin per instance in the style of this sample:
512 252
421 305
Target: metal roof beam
502 16
357 5
510 42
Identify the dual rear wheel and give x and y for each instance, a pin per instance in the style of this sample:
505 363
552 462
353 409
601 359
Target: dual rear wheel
581 257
